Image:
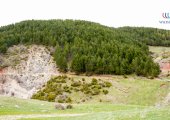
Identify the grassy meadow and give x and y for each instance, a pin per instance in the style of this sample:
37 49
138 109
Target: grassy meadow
130 98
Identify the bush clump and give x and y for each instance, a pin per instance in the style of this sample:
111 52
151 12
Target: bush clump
105 92
108 84
76 84
63 99
95 91
69 106
94 81
59 89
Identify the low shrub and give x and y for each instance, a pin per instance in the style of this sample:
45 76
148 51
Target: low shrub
83 79
51 97
62 80
69 106
76 89
96 86
87 92
124 76
108 84
63 99
76 84
95 91
94 81
68 100
105 92
60 101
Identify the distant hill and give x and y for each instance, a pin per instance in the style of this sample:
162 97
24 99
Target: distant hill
150 36
87 47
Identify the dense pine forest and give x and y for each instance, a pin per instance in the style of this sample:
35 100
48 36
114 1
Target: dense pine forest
87 47
150 36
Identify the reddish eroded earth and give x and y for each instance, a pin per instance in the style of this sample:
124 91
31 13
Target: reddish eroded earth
165 66
1 71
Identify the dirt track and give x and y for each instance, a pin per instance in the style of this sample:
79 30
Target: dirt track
15 117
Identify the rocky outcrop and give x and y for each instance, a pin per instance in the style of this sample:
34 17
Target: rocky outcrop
163 59
35 68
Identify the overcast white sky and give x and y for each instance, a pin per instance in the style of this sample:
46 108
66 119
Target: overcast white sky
114 13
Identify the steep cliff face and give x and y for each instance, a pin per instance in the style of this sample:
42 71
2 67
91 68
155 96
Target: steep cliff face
28 69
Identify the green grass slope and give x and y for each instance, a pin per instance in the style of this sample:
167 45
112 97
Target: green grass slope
137 114
14 106
131 90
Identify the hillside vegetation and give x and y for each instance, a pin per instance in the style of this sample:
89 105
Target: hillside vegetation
100 89
60 88
150 36
86 47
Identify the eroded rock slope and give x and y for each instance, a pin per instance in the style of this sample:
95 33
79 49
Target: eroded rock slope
27 69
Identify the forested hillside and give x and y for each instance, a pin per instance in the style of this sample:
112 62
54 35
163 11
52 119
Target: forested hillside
150 36
87 47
